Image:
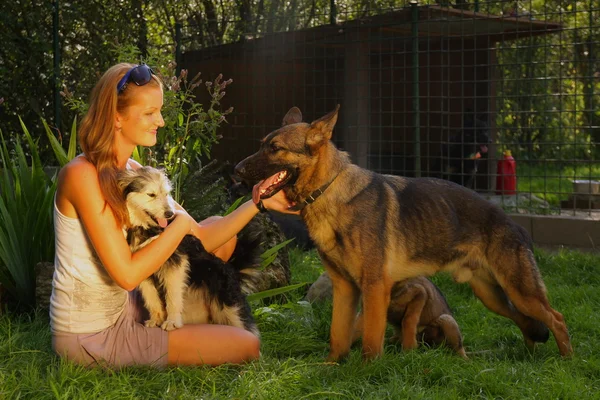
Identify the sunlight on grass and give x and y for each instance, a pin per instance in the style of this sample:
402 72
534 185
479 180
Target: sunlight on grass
553 181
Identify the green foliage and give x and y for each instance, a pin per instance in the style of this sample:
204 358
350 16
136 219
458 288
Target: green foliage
553 182
26 234
549 89
269 255
274 292
61 155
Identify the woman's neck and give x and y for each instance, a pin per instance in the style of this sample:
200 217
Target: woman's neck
123 156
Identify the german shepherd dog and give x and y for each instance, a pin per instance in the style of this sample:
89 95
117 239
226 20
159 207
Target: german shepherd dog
418 308
193 286
373 230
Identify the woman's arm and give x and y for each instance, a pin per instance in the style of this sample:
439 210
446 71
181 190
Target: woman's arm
217 233
78 184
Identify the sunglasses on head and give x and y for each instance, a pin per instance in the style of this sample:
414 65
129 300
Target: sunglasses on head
140 75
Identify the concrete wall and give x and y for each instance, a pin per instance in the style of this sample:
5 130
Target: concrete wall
563 230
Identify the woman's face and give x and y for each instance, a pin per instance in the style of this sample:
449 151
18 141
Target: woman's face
140 122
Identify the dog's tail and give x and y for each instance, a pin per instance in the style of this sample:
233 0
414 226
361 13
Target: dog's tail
246 256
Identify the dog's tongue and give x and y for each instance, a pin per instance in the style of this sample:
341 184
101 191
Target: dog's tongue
162 222
256 192
261 187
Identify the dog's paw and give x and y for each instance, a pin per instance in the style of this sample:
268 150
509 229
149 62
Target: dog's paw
169 325
152 323
409 344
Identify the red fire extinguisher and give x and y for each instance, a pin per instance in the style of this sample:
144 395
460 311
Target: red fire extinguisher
506 181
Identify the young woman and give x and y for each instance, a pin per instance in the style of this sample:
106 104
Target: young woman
95 312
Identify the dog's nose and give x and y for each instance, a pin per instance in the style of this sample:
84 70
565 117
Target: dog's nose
240 170
169 214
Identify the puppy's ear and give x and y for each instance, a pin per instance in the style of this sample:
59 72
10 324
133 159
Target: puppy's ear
293 116
125 177
322 128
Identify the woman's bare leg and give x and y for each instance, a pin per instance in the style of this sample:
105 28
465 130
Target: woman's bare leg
226 251
198 344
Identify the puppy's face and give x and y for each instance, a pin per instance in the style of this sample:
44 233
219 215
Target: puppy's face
147 192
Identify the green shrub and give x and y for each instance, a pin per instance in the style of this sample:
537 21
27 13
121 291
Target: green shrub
26 226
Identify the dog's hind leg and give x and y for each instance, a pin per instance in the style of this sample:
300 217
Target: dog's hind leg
524 287
174 279
345 302
530 298
493 297
537 306
153 303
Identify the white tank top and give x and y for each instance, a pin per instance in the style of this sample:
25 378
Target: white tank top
85 299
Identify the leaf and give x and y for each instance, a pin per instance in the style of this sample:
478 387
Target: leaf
37 162
180 119
275 249
73 140
59 152
172 153
274 292
136 155
234 206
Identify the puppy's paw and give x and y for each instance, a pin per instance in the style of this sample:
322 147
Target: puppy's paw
152 323
409 344
169 325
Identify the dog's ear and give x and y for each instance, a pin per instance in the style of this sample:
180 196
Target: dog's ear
293 116
321 129
124 178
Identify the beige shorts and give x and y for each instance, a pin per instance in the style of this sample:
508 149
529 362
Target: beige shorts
127 342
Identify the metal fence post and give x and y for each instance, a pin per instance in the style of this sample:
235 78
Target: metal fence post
414 5
332 12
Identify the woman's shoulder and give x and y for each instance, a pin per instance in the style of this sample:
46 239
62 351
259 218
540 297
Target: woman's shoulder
79 170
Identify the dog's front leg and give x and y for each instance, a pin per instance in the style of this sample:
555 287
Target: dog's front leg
175 284
376 299
153 303
345 302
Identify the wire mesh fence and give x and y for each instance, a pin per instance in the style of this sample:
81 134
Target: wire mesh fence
467 92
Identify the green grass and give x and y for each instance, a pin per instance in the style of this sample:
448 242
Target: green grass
553 182
295 343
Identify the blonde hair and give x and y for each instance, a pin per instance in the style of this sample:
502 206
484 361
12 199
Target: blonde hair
97 133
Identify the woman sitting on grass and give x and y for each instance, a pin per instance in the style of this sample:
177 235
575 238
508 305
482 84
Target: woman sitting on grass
95 312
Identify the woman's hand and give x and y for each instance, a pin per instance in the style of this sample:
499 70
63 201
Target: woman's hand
280 203
180 213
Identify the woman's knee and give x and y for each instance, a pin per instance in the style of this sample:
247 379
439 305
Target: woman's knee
253 348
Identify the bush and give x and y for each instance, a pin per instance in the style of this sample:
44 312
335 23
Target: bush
26 226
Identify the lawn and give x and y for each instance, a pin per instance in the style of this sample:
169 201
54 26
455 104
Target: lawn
553 181
295 342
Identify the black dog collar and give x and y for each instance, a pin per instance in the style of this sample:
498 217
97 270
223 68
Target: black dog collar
313 196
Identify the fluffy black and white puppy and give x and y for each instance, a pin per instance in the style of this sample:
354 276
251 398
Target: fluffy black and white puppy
193 286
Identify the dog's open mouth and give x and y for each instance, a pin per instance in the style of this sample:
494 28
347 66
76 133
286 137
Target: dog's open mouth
162 222
271 185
